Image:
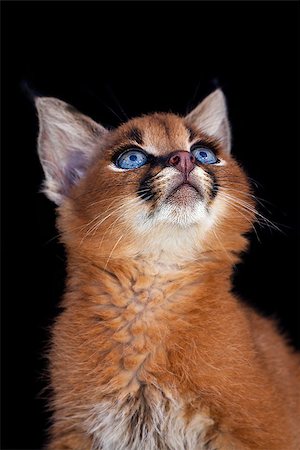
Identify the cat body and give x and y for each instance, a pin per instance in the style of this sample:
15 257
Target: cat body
152 350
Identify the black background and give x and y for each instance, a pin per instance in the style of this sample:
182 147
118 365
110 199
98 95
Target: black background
137 58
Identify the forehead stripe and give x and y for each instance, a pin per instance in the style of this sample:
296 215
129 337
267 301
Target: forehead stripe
136 135
163 121
192 133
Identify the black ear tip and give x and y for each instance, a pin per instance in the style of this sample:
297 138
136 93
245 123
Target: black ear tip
29 92
215 83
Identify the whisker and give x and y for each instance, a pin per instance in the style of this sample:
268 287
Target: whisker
238 209
117 197
93 229
117 102
114 247
100 99
98 216
109 184
255 197
110 205
260 218
255 182
113 224
226 252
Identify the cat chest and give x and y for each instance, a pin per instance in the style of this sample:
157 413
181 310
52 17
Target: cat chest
147 422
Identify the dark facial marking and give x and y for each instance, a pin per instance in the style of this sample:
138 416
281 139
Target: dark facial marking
158 161
215 184
145 190
135 135
192 133
164 123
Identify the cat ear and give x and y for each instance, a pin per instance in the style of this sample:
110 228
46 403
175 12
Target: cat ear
210 117
67 143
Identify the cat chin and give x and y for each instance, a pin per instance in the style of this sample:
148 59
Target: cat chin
183 213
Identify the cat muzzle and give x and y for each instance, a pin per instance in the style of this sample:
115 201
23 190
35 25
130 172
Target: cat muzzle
183 161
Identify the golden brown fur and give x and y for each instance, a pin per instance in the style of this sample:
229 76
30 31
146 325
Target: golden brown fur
152 350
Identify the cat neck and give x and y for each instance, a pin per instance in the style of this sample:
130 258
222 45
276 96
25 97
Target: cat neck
150 272
133 305
123 280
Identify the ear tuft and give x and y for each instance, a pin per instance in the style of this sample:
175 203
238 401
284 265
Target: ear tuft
210 117
67 143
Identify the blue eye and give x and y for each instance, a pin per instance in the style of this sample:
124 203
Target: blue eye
204 155
131 159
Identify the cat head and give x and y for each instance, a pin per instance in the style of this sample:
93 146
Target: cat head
155 183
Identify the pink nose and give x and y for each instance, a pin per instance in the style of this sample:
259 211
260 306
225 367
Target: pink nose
182 161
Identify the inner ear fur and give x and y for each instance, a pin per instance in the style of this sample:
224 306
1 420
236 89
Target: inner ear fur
67 143
211 118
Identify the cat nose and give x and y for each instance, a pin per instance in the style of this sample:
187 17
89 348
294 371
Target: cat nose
182 161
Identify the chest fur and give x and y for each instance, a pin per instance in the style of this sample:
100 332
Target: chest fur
135 411
147 421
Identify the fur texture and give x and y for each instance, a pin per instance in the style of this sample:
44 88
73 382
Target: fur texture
152 350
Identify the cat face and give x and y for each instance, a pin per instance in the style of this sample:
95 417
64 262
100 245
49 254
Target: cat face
165 160
156 178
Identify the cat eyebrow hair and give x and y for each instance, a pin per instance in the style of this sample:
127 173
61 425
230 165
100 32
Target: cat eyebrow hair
209 142
136 135
192 133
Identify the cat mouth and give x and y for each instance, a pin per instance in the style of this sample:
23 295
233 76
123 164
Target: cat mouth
185 185
184 193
